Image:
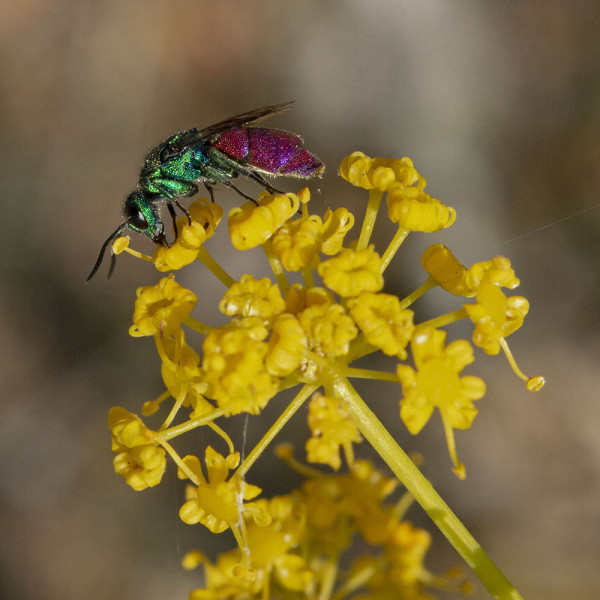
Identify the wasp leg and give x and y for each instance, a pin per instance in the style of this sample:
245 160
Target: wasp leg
184 210
262 181
173 215
229 184
210 191
219 177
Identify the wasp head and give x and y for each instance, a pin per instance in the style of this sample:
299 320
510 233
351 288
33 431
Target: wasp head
141 215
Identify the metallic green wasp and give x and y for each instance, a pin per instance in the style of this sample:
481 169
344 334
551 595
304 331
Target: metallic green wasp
216 154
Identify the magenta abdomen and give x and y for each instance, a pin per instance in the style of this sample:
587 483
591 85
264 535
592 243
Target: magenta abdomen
271 150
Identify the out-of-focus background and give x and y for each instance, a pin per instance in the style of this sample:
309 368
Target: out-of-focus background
497 104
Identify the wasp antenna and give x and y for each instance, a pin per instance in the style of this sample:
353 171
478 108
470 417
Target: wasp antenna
113 262
110 238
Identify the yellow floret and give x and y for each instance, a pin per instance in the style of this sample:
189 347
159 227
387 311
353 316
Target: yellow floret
251 225
352 272
160 308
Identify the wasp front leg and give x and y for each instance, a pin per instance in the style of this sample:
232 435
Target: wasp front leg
170 190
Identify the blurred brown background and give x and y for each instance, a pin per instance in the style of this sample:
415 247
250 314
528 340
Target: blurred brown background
497 104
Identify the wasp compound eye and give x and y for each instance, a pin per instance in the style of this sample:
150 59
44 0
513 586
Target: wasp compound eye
135 217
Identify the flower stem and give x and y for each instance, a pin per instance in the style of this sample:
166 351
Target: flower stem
180 464
285 416
393 246
370 374
205 419
369 220
416 483
217 270
446 319
307 277
197 325
138 254
328 578
429 283
275 263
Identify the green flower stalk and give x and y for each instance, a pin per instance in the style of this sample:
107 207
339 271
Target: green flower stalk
279 335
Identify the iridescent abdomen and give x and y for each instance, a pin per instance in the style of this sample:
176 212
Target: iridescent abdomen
270 150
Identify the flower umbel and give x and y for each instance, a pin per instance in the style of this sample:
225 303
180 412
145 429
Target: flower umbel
277 335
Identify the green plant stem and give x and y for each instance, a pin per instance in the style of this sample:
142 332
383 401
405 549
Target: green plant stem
276 267
429 283
370 374
424 493
205 419
369 220
393 246
285 416
215 267
443 320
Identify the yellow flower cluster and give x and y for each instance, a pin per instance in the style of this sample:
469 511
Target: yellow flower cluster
278 334
324 518
140 462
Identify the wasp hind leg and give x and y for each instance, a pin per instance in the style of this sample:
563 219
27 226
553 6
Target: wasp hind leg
262 181
184 210
209 188
229 184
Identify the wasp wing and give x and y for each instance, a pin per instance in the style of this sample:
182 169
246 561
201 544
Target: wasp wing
192 137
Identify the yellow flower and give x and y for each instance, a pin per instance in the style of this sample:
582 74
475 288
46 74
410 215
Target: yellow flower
180 366
415 210
298 243
336 505
495 316
127 429
328 328
298 298
141 467
138 461
223 582
217 501
271 546
336 225
450 274
332 429
177 255
379 173
400 572
205 218
160 308
352 272
208 214
384 323
436 382
287 346
251 225
252 298
497 271
234 366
